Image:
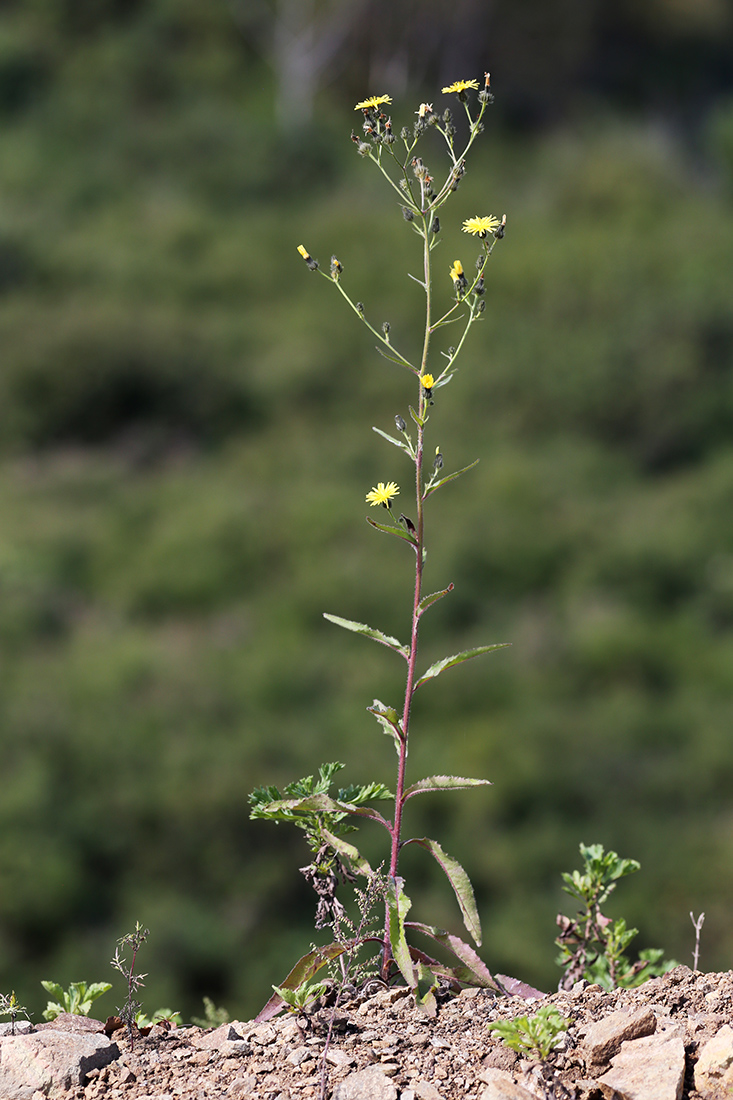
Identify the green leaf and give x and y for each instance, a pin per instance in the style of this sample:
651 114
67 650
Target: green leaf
389 720
323 803
397 442
398 905
460 882
427 983
457 659
348 853
389 530
479 973
396 359
444 783
303 971
426 601
369 631
54 989
449 477
419 420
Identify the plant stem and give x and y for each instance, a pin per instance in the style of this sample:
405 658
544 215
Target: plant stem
396 829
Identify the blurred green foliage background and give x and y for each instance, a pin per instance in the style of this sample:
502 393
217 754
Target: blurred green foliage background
185 446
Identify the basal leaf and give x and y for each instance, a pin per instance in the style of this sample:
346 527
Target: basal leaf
369 631
398 905
303 970
477 969
457 659
449 477
460 882
444 783
389 530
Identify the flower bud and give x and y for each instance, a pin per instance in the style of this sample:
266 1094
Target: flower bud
435 227
400 423
407 214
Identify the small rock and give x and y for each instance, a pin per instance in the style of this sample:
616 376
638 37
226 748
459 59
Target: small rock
366 1084
50 1062
425 1091
68 1021
714 1069
217 1039
241 1088
21 1027
500 1085
651 1068
603 1039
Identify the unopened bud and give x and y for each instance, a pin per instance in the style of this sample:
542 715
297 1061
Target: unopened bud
360 308
400 423
336 268
435 227
385 328
438 461
407 214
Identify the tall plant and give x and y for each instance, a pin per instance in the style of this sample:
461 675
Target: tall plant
459 300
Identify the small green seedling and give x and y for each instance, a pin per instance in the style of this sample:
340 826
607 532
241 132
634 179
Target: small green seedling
593 945
298 1000
533 1036
213 1015
76 1000
11 1006
133 941
161 1015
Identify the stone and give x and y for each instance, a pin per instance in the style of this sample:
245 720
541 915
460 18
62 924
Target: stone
217 1039
50 1062
603 1039
651 1068
500 1085
424 1090
366 1084
21 1027
68 1021
714 1069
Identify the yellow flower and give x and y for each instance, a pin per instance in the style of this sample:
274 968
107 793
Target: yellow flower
428 381
304 252
373 101
461 85
383 494
456 272
479 227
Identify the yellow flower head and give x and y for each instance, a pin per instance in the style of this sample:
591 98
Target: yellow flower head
461 86
372 102
456 272
479 227
304 252
428 381
383 494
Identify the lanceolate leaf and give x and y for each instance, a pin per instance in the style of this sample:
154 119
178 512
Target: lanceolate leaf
369 631
348 852
397 442
389 721
457 659
419 420
448 477
303 971
398 905
316 803
478 970
388 530
460 882
444 783
396 359
426 601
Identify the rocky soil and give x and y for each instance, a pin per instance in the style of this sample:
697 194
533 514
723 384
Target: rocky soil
669 1039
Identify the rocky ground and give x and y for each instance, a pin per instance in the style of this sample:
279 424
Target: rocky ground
669 1039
